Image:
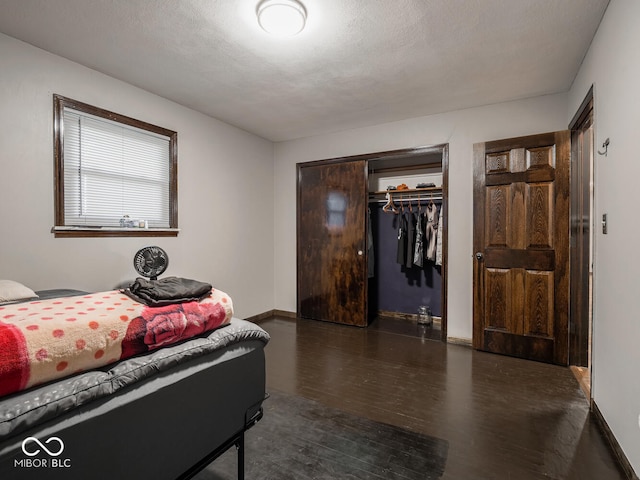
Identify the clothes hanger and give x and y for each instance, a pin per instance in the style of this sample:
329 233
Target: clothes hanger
390 206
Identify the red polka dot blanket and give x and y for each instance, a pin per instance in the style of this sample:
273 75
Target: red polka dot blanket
45 340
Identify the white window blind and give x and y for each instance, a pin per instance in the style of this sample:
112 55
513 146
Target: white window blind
112 170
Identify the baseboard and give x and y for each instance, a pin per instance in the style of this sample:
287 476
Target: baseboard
410 317
270 314
622 459
260 317
465 342
284 313
407 317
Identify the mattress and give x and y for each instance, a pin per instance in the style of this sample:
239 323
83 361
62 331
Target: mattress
45 340
150 416
21 411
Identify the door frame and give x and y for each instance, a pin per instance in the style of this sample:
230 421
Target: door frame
400 154
580 322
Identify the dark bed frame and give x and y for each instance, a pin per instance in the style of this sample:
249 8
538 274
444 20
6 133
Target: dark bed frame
171 433
237 441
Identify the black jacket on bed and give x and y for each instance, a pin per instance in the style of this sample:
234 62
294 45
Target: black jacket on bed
166 291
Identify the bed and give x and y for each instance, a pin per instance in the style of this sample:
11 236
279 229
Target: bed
165 413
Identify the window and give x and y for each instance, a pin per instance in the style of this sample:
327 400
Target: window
115 176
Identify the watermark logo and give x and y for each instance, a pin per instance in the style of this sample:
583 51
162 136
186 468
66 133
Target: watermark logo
32 453
52 446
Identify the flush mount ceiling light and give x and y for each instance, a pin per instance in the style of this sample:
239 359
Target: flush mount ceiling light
281 17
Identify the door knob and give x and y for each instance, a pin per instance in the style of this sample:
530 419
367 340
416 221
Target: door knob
479 256
360 252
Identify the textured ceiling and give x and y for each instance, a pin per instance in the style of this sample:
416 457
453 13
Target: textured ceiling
358 62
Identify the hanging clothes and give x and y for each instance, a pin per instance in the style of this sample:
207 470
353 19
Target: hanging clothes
431 231
439 239
411 238
418 250
401 256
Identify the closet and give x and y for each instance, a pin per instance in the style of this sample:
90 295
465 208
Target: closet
349 211
405 207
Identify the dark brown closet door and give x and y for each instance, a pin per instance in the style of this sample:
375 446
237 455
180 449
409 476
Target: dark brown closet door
521 245
332 268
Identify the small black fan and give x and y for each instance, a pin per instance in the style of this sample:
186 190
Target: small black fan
151 262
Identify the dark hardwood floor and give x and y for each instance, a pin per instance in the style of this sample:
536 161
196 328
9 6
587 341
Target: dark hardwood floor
503 417
407 327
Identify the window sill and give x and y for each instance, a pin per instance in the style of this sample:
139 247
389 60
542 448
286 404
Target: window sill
66 232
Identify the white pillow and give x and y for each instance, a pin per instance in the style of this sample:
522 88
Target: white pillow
11 291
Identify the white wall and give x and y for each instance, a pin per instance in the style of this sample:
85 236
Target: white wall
461 129
225 188
612 66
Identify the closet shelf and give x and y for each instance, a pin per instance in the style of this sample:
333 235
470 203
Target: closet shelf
408 191
409 195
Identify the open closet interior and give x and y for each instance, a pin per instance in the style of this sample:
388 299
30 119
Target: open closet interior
371 240
406 243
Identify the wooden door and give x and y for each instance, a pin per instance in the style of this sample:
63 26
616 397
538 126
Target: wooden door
332 267
521 245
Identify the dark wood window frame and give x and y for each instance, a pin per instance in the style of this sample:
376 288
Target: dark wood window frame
61 229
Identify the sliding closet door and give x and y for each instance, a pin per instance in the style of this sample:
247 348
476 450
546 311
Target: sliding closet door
332 267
